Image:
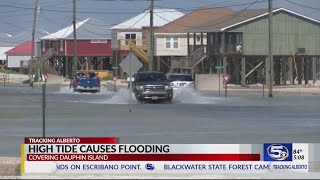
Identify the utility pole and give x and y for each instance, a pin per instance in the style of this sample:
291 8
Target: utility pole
75 58
31 68
151 43
270 71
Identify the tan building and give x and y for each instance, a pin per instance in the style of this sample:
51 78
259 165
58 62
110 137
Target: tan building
172 39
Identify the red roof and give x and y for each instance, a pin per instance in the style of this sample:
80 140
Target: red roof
22 49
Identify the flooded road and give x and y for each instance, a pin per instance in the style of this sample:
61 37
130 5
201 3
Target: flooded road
193 117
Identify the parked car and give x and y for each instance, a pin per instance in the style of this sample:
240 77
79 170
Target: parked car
151 85
86 81
178 80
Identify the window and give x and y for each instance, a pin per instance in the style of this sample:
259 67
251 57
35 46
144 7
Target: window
168 42
175 42
151 77
172 42
131 37
99 41
180 78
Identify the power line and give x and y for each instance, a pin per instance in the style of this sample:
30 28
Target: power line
125 0
127 12
67 28
8 11
62 2
301 5
16 15
233 16
190 10
216 7
67 11
144 11
18 40
102 24
54 21
96 33
115 24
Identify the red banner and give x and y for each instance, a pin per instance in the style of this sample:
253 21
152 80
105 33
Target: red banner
71 140
143 157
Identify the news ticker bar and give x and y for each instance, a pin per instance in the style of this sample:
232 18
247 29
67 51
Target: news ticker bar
164 167
245 152
170 152
73 152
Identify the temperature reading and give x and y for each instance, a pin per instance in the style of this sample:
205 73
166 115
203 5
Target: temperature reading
297 151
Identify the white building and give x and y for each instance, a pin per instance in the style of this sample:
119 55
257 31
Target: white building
132 29
19 56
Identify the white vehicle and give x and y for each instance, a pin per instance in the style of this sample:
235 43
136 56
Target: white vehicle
178 80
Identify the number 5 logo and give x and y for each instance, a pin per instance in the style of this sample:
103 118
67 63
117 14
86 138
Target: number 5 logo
278 152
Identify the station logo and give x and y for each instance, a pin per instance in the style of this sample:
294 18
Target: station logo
150 167
277 152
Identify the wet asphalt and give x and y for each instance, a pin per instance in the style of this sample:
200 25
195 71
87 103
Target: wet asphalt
193 117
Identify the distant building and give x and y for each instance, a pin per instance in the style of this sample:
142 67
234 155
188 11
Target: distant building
19 56
171 40
9 41
134 35
4 47
238 42
93 48
3 56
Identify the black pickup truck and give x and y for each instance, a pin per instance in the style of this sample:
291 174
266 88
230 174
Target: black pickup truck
151 85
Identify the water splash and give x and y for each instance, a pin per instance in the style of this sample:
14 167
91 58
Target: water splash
68 90
120 97
181 96
191 96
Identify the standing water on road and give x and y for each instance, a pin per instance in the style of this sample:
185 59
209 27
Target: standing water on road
191 96
181 96
119 97
68 90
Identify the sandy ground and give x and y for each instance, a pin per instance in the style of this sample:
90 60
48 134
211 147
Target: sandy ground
8 166
13 78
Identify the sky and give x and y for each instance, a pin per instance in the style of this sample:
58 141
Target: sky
16 16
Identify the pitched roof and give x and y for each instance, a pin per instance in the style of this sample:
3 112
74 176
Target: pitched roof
193 19
236 19
160 18
227 20
22 49
89 28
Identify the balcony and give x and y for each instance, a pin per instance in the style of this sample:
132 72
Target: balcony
124 44
229 49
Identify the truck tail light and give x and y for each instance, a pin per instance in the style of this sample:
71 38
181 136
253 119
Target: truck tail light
99 82
77 82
